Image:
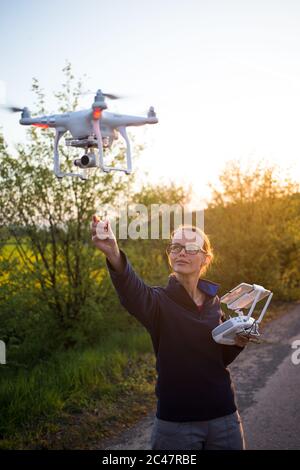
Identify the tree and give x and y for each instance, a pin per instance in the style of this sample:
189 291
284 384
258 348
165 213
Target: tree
48 220
254 219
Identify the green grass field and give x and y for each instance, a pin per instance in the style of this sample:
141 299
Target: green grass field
34 402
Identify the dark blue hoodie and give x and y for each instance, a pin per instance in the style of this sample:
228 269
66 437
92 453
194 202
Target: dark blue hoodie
193 382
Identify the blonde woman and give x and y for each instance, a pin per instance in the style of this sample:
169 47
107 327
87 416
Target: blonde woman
196 407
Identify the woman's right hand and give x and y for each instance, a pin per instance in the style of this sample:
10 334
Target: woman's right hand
103 237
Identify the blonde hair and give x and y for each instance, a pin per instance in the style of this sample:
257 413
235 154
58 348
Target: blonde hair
207 248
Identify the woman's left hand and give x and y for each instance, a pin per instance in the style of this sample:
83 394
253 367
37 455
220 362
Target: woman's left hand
241 341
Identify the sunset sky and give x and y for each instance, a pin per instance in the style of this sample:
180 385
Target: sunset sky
223 76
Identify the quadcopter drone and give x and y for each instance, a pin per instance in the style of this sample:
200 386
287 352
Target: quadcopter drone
90 128
242 296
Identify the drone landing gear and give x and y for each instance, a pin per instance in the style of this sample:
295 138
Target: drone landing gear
91 159
57 171
107 169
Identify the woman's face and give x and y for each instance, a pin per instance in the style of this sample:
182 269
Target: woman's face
182 262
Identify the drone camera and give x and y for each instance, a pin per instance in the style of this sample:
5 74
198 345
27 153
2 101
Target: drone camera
86 161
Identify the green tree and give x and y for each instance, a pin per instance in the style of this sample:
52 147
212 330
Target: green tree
52 272
254 222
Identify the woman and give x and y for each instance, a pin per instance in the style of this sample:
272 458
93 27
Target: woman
196 406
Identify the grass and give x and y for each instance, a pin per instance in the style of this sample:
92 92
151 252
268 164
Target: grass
36 404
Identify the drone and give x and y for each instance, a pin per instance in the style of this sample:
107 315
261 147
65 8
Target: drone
90 129
242 296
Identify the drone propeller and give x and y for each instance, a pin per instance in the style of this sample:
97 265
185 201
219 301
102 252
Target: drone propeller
112 97
107 95
12 109
145 111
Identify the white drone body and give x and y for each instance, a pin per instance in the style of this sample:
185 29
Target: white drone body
242 296
93 128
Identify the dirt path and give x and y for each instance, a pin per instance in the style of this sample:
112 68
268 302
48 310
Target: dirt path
267 385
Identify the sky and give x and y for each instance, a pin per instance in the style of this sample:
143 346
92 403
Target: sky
222 75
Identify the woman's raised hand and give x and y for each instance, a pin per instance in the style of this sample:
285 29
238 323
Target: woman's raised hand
104 239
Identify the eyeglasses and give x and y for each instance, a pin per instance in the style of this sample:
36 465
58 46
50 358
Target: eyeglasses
189 248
